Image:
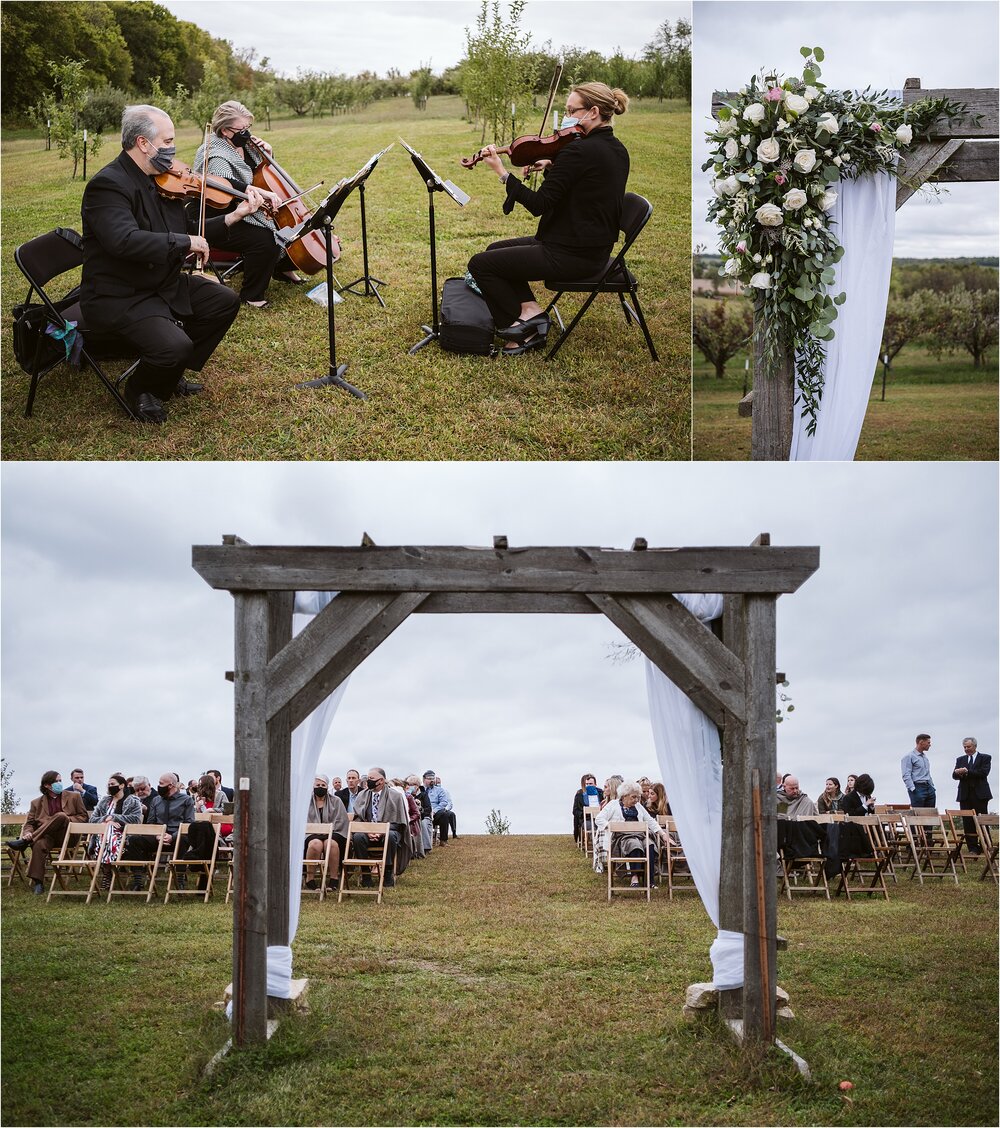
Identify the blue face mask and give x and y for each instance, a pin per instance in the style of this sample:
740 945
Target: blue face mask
568 121
56 788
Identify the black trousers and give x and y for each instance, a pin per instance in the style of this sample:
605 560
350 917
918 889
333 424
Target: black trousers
362 848
169 347
971 831
262 257
505 268
445 820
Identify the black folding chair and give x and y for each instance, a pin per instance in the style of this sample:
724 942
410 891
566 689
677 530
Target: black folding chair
41 260
616 278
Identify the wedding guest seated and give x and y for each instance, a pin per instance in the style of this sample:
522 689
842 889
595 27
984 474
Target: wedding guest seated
610 790
442 814
627 807
416 840
797 839
657 802
588 779
859 801
113 812
829 802
419 793
45 827
171 806
86 791
326 808
379 803
226 791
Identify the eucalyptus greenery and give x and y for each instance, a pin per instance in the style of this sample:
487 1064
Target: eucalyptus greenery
779 149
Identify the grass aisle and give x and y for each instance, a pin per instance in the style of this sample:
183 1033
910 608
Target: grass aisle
496 985
600 398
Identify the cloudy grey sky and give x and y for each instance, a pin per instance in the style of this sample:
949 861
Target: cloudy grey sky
114 649
944 43
349 36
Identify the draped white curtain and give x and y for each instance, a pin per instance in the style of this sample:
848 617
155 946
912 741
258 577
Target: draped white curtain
690 759
307 744
865 214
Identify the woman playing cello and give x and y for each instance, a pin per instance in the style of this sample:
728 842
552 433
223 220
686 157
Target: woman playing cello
231 157
579 204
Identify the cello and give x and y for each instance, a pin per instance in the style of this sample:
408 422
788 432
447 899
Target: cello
308 252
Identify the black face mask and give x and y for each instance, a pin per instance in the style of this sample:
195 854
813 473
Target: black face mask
163 792
372 784
241 138
319 792
114 788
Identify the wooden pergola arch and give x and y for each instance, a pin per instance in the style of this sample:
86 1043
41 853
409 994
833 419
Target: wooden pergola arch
966 151
279 680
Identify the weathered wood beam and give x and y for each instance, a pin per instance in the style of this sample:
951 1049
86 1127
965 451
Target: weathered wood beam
335 643
920 164
683 648
982 103
459 569
506 603
279 784
773 401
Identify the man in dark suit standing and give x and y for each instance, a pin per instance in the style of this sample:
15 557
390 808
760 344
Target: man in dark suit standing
134 245
972 770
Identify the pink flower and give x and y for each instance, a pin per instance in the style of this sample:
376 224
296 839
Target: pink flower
779 178
741 247
775 94
875 127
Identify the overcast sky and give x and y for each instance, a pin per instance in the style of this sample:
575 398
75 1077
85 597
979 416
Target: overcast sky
349 36
115 650
944 43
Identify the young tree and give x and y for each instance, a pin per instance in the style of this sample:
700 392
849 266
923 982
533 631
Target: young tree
668 61
907 319
496 71
421 83
720 333
65 110
9 799
497 824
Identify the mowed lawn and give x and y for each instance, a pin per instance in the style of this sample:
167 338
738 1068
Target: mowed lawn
602 397
936 408
496 985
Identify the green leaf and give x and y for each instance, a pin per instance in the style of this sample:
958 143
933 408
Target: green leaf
805 52
803 294
828 276
725 113
808 76
816 71
838 254
840 299
818 52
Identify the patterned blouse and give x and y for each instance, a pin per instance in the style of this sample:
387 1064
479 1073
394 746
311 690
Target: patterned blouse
226 161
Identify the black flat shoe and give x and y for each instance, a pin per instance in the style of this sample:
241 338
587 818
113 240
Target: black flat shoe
188 388
537 341
522 329
149 409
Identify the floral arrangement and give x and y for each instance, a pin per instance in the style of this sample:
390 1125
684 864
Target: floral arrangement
779 150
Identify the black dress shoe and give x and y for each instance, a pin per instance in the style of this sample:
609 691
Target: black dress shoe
535 341
522 329
149 409
18 843
188 388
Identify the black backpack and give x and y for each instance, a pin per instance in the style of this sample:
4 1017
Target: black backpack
466 321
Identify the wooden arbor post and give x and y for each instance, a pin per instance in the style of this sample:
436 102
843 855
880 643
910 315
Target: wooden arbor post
279 680
957 152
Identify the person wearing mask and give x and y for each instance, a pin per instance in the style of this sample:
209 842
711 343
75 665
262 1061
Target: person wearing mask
419 793
45 827
133 284
171 807
113 812
380 803
579 205
325 808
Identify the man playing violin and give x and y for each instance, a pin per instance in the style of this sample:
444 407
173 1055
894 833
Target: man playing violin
580 207
133 284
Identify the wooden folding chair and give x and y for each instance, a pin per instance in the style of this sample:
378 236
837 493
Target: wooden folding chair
929 846
673 860
866 875
137 867
325 831
14 859
627 863
806 874
587 835
378 863
73 862
177 865
989 840
954 826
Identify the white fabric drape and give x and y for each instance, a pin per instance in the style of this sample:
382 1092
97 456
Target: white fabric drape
690 759
307 744
865 214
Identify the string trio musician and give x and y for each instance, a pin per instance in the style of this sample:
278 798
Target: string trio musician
234 156
134 245
579 205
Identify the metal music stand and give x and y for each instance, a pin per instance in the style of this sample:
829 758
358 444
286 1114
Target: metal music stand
371 283
434 183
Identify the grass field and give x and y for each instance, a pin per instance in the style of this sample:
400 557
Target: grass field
496 985
936 408
601 398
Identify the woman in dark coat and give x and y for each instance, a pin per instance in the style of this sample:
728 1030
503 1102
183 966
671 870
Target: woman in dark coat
853 840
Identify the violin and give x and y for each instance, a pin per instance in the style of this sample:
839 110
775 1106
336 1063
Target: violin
181 183
308 252
528 150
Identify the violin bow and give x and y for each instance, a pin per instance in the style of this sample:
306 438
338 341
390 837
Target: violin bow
199 266
553 88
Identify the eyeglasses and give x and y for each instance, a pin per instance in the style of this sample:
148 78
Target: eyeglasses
577 111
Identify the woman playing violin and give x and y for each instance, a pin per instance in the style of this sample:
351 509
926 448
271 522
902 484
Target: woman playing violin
579 205
232 156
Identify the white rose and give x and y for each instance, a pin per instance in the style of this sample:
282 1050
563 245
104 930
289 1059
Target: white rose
805 160
726 127
757 258
828 124
795 103
781 126
745 139
810 93
730 186
731 148
732 267
717 188
794 199
769 215
761 280
828 200
838 161
904 134
754 113
768 151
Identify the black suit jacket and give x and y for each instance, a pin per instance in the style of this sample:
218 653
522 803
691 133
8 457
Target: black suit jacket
134 246
974 787
580 200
